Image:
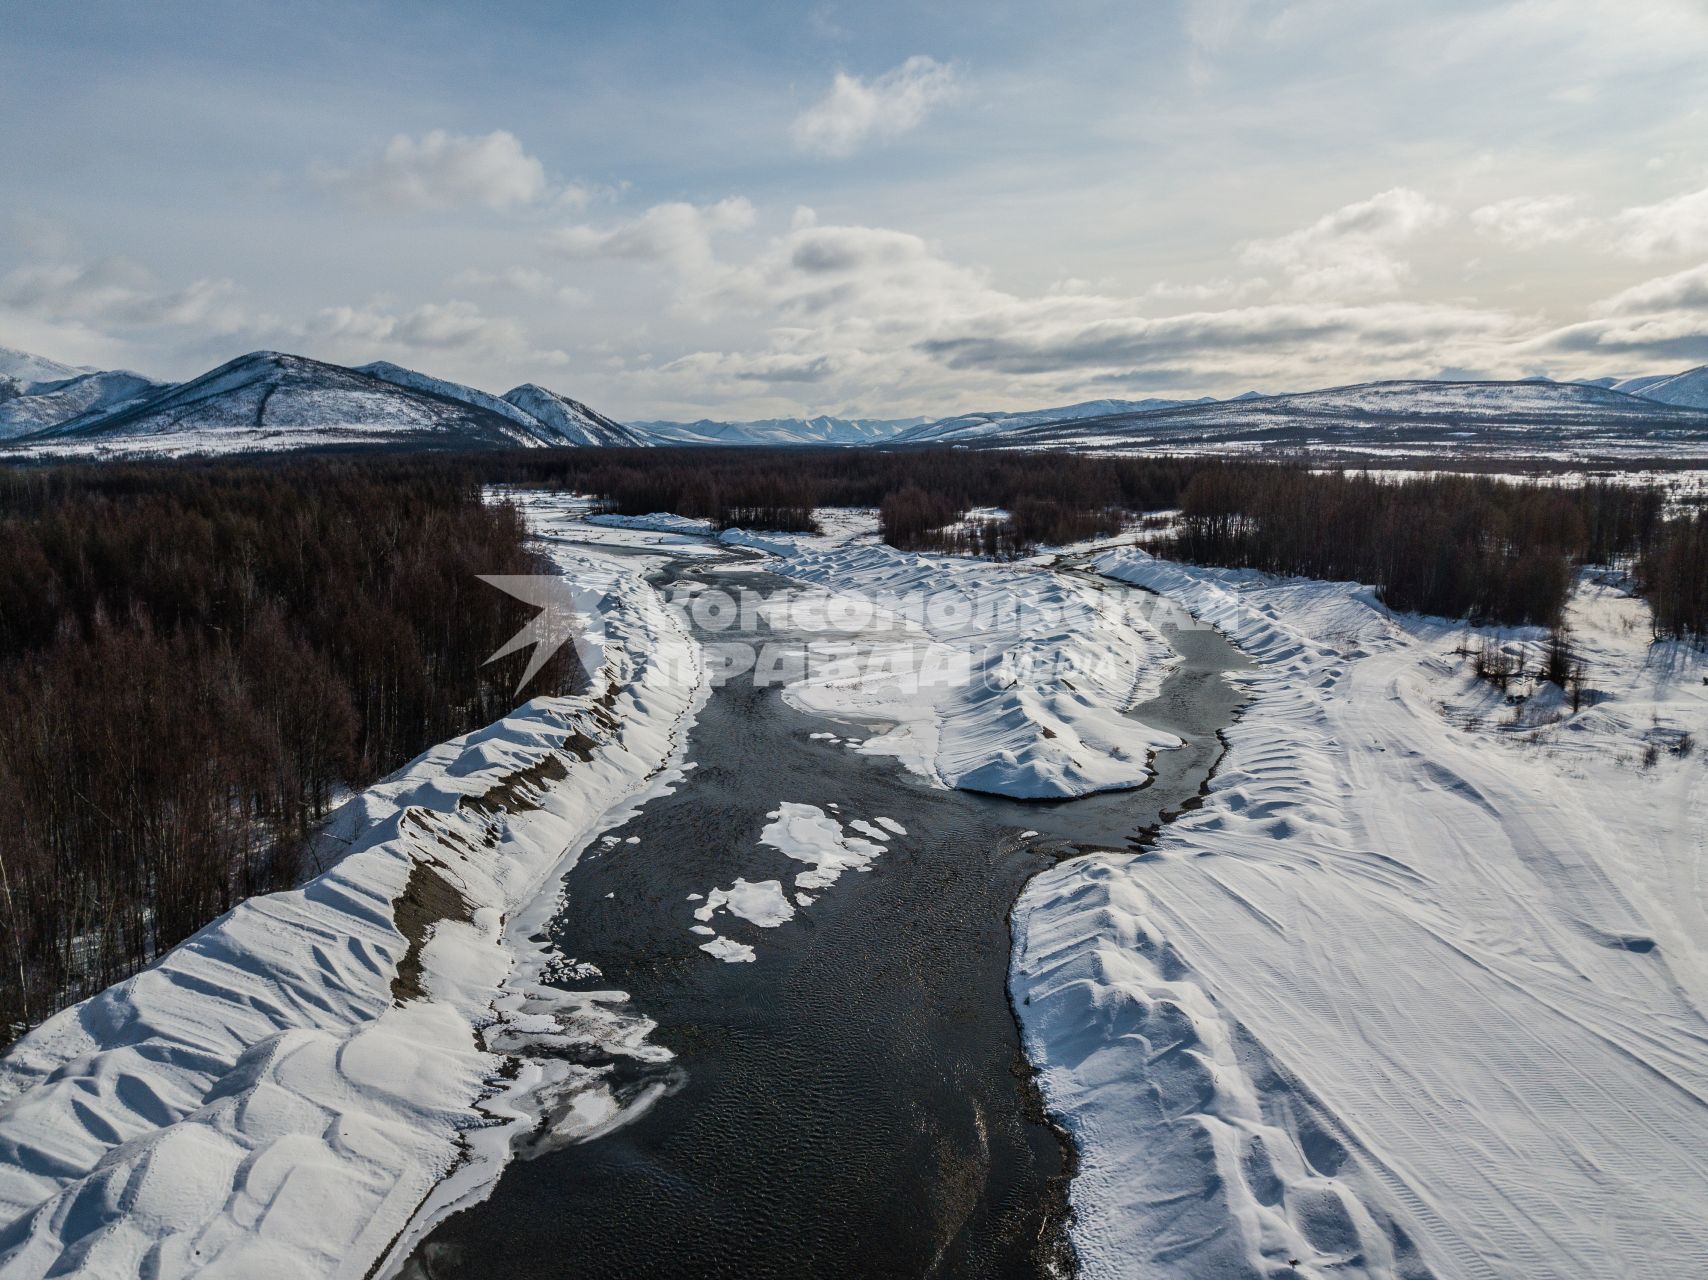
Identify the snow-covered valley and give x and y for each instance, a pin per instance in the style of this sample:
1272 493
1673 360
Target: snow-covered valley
1413 985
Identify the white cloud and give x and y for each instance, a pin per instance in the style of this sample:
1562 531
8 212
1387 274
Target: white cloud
1527 221
857 110
1681 291
117 291
454 339
529 281
676 234
1668 228
1349 252
869 315
442 170
1657 322
1675 226
433 326
1206 291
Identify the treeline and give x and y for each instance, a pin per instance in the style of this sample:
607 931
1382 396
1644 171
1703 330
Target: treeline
920 492
196 661
1673 575
1459 546
917 519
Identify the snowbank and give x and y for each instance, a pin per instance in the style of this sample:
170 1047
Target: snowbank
1417 990
657 522
996 678
280 1094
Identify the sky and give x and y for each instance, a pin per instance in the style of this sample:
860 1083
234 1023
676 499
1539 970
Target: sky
741 210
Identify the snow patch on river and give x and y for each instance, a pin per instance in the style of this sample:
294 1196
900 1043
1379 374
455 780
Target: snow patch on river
808 834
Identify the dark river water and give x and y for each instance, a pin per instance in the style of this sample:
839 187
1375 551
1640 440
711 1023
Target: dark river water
853 1102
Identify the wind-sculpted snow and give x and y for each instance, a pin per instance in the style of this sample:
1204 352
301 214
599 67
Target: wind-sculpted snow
996 678
1418 989
281 1094
658 522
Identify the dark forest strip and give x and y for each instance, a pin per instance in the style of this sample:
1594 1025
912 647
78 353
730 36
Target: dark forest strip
195 661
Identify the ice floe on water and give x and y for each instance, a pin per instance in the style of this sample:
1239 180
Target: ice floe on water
730 952
763 903
808 834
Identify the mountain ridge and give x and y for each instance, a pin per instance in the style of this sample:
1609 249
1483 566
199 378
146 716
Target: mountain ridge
275 401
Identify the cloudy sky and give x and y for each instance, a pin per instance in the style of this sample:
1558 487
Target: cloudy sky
752 209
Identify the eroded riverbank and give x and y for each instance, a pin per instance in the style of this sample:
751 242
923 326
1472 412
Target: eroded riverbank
854 1099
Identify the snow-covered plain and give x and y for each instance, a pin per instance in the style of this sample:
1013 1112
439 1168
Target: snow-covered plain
1419 989
301 1087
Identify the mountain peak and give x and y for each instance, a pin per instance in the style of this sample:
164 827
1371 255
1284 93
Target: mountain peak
567 421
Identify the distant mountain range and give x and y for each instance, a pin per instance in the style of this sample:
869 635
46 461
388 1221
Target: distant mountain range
780 431
1533 418
268 401
968 427
1689 388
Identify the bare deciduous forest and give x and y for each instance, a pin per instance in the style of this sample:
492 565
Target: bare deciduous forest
1674 576
1455 545
195 661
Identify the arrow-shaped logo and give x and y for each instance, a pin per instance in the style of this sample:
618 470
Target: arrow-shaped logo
571 610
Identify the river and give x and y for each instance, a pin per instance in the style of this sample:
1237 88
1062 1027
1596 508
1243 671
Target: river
854 1101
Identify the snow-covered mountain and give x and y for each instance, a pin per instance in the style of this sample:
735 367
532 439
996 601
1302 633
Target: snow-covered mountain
1689 388
968 427
25 369
73 400
552 418
1538 418
779 431
268 401
410 379
562 421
